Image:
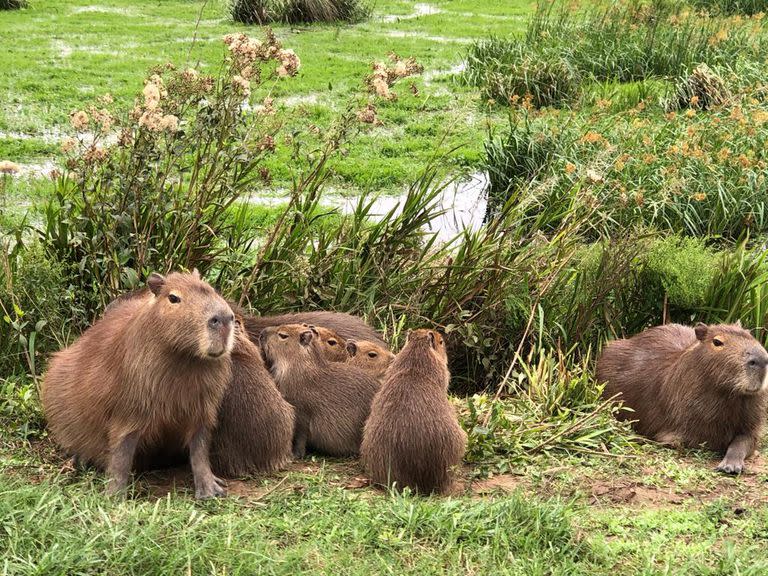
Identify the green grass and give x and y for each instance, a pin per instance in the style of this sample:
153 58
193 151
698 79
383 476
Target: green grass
65 53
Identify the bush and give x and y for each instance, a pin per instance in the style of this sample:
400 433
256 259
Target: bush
162 197
295 11
13 4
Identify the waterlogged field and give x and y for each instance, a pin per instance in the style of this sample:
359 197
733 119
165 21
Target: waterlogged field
552 178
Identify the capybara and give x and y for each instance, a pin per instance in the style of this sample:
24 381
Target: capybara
346 326
146 378
412 437
333 346
255 425
332 399
370 356
691 386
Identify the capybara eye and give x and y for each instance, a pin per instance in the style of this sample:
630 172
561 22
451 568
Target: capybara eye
173 299
372 354
717 342
282 335
331 342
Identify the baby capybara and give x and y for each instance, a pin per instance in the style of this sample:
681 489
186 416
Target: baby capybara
346 326
146 378
255 426
333 346
412 437
331 399
370 356
705 385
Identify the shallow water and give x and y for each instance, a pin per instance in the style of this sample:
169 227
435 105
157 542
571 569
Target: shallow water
463 203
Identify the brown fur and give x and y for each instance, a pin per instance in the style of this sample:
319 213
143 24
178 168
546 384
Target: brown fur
412 437
147 377
332 399
255 424
370 356
685 389
346 326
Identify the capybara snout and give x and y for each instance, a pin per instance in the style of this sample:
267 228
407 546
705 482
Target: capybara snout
221 332
757 369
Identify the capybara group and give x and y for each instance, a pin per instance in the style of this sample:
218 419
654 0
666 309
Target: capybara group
346 326
255 425
705 385
331 399
370 356
412 437
147 377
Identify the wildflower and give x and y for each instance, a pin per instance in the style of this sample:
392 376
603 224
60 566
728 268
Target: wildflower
570 168
618 165
593 138
690 113
744 161
639 198
151 119
95 154
8 167
151 94
267 107
79 120
106 99
594 177
368 115
169 122
289 63
190 74
718 37
241 85
724 154
648 158
670 116
699 196
68 145
694 100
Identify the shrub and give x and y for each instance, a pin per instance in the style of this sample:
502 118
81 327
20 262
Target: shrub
702 90
161 197
294 11
13 4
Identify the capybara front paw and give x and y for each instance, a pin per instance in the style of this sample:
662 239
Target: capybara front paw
116 488
730 466
213 488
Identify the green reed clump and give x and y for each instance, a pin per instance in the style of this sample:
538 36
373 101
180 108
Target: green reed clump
294 11
625 41
747 7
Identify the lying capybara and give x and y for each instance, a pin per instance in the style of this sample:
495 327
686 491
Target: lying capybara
147 377
370 356
692 386
255 425
346 326
412 437
332 399
333 346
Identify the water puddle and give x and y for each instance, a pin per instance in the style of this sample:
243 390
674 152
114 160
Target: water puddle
463 204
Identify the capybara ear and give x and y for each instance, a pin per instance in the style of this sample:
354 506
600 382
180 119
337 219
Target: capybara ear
195 274
155 282
701 331
313 328
433 339
305 337
352 348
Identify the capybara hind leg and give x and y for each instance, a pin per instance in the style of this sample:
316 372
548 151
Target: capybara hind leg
740 448
206 484
121 462
300 435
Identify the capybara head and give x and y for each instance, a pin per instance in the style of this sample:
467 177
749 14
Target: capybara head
281 345
429 340
331 345
369 355
729 357
190 316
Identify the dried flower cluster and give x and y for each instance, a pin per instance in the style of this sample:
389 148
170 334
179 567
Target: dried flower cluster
8 167
385 75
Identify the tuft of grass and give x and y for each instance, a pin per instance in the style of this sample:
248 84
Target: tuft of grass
298 11
729 7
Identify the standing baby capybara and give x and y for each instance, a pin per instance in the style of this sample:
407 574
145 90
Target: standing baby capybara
412 437
331 399
369 356
705 385
255 425
346 326
146 378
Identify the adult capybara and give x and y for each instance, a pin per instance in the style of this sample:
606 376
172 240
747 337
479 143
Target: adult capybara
332 399
412 437
370 356
705 385
255 425
346 326
333 346
147 377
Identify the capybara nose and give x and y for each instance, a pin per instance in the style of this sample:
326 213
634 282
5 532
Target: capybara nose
757 357
221 321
